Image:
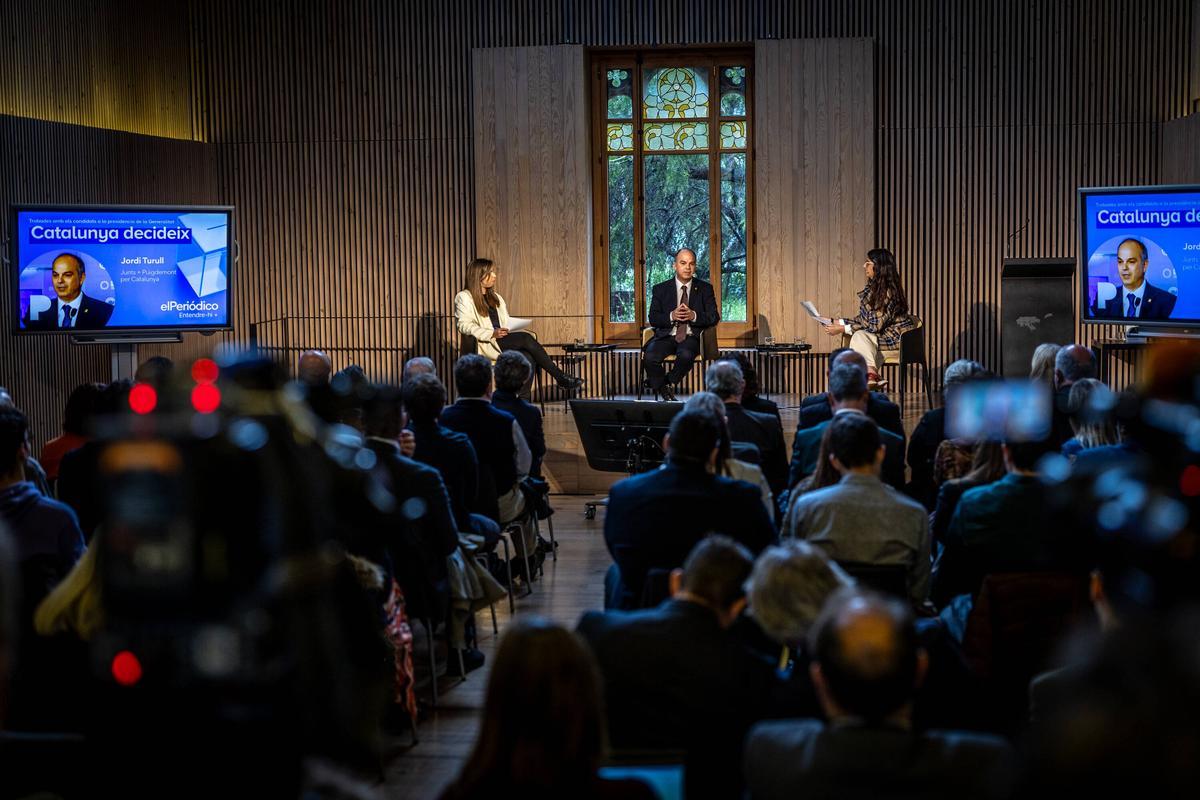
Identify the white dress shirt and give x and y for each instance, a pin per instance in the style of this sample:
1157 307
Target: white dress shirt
1139 293
679 299
74 305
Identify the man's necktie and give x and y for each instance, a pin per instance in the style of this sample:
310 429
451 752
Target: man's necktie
1133 304
681 327
68 312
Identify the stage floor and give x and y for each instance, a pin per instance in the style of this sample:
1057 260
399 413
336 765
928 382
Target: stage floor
566 467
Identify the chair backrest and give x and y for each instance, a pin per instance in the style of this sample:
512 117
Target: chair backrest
889 579
487 497
912 343
1018 620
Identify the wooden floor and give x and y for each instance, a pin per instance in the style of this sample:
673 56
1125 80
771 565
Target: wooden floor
571 585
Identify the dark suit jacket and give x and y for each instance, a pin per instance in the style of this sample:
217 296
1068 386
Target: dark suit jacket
656 518
922 448
1156 304
807 446
93 314
674 679
815 409
530 420
764 432
451 454
807 759
701 299
490 432
761 405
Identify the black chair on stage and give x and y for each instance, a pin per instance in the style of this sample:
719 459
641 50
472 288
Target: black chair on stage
911 352
709 351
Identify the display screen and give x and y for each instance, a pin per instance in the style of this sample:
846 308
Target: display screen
1140 253
88 269
1002 411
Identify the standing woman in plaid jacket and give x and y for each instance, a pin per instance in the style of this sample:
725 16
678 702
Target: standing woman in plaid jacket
882 314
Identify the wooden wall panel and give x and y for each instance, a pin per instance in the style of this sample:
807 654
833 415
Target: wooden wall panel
532 183
1181 150
815 180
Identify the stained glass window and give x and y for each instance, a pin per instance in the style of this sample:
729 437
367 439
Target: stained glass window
620 138
675 93
676 136
620 93
733 91
733 135
733 237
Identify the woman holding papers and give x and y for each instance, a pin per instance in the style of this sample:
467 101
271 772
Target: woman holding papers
480 312
882 313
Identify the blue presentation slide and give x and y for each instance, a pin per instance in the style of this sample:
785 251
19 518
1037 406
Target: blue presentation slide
1143 256
91 269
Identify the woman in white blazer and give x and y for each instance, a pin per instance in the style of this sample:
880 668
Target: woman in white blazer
482 313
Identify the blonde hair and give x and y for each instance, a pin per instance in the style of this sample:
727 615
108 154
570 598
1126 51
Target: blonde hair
1041 366
477 270
74 604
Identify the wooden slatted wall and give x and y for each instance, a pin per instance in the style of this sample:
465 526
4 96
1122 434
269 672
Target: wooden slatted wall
342 131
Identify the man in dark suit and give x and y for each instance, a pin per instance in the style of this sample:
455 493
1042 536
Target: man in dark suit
655 519
675 677
680 309
724 379
931 432
866 667
71 308
751 401
848 394
1138 299
817 408
512 371
1071 364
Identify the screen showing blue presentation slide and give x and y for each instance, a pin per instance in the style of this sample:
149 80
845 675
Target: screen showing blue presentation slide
89 269
1142 251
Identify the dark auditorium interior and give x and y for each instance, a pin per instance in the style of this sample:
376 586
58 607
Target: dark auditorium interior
598 399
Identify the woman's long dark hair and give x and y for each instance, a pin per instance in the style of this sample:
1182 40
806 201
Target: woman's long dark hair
884 294
476 270
543 728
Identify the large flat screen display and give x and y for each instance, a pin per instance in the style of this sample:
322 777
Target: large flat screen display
1140 253
87 270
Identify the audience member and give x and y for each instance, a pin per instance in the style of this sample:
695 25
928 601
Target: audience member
825 474
931 432
751 399
675 678
79 480
10 593
655 519
1041 366
1072 363
314 369
987 466
788 588
866 667
30 468
953 460
999 527
727 464
848 394
817 408
724 379
860 519
80 404
418 365
542 734
512 372
1090 405
155 371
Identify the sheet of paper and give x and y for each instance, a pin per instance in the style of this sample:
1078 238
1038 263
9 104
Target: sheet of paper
812 312
518 324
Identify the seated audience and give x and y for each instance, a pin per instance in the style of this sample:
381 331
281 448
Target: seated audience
817 408
155 371
314 368
655 519
75 419
542 734
1041 366
727 464
848 394
674 677
825 474
418 365
859 519
953 460
931 431
512 372
788 588
866 666
449 452
79 482
1090 405
1072 363
751 400
1000 527
30 467
987 466
724 379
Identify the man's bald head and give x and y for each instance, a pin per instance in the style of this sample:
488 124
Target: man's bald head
866 657
848 356
314 369
1073 363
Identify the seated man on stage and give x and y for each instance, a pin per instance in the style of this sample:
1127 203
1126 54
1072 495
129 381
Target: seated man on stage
680 310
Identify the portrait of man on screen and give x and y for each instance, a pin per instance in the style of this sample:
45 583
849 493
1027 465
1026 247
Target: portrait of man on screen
1136 298
70 307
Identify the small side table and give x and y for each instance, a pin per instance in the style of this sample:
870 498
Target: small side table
609 361
770 354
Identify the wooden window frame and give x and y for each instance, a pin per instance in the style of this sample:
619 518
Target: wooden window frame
629 333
